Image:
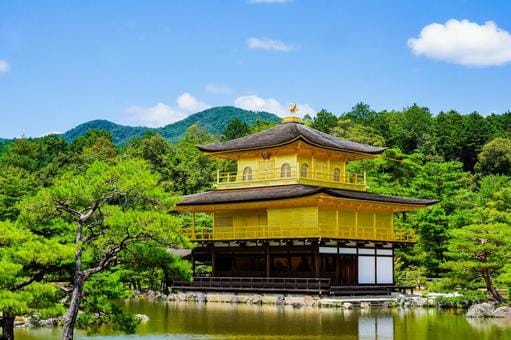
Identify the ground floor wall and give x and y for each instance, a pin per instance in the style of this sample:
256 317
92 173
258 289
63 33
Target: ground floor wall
342 265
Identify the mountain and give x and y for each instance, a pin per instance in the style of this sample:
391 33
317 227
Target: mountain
120 133
213 120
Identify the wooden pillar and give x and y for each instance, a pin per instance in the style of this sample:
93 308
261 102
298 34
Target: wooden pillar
193 225
317 260
213 269
193 266
337 266
267 252
374 225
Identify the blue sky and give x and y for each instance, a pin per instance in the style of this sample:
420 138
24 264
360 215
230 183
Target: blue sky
153 62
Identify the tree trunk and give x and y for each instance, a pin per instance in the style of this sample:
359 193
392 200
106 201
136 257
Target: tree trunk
74 307
490 288
7 324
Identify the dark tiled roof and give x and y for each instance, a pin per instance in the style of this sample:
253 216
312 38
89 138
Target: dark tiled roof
286 133
291 191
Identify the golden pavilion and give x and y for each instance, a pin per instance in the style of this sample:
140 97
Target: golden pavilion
291 218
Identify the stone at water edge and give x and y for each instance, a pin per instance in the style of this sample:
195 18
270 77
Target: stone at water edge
308 300
142 317
480 310
347 305
365 305
502 312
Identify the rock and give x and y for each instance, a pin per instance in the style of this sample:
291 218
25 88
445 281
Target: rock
309 300
480 310
234 299
419 301
201 298
431 302
281 300
365 305
171 297
142 317
160 297
297 305
150 295
502 312
387 304
347 305
35 320
255 299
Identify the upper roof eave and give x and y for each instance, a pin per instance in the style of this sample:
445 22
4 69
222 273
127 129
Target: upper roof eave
293 191
287 133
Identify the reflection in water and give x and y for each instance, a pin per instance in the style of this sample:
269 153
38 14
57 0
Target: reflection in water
230 321
376 327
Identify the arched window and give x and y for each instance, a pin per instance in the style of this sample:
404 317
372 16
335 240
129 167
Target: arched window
285 170
337 174
304 170
247 174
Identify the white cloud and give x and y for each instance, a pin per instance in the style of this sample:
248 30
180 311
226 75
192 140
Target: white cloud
218 89
188 103
464 42
256 103
269 45
268 1
162 114
4 66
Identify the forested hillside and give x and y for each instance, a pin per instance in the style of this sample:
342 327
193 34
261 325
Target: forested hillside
212 120
109 203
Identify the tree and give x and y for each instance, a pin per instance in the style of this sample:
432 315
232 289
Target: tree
102 212
261 125
324 121
357 133
476 133
410 128
193 170
235 129
25 260
448 131
495 158
156 150
479 252
361 113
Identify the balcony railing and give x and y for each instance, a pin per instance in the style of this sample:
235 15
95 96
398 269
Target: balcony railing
346 232
290 175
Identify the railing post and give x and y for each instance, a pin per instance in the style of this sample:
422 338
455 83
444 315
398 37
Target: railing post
217 176
193 225
365 178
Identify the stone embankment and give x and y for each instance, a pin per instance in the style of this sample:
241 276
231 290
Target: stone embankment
488 310
434 300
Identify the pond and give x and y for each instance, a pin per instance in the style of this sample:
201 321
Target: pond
181 320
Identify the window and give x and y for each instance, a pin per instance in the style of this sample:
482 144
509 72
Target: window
304 170
337 174
247 174
285 170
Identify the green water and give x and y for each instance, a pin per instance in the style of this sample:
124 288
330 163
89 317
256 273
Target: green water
225 321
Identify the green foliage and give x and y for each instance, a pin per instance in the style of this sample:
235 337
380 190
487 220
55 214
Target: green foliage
464 299
194 171
495 158
235 129
324 121
261 125
410 128
100 305
359 133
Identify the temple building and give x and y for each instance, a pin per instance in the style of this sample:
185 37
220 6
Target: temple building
292 212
